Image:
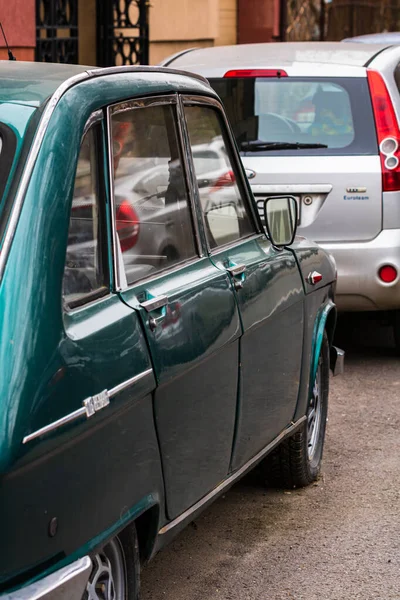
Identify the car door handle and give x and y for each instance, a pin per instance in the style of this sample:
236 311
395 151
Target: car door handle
154 303
238 273
236 270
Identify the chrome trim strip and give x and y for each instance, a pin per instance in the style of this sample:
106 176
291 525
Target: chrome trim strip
90 406
144 69
117 259
56 424
228 482
69 582
94 118
30 162
190 176
126 384
170 59
154 303
288 188
142 102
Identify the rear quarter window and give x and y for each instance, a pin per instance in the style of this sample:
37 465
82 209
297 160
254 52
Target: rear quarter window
335 112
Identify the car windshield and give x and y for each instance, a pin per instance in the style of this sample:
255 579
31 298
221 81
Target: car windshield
296 114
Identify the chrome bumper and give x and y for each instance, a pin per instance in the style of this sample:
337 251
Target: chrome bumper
337 361
68 583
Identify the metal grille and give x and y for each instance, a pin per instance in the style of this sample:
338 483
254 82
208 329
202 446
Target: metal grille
303 20
123 33
57 31
336 19
346 18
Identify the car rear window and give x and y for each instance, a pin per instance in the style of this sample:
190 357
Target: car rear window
273 116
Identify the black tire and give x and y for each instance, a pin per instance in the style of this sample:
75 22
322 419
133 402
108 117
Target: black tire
296 462
116 569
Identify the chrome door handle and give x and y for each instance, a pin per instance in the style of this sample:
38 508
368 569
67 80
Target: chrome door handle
154 321
154 303
236 270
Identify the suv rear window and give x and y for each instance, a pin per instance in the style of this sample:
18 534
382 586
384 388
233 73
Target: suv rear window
273 116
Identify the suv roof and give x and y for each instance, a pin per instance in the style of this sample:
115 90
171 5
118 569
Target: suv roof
282 54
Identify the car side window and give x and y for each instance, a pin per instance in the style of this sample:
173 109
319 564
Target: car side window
85 273
225 214
152 209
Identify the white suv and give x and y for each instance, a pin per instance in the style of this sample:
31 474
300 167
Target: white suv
321 121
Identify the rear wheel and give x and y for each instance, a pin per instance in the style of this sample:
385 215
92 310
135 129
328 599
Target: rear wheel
297 460
116 569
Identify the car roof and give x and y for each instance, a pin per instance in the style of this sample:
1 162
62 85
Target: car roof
386 37
31 83
278 55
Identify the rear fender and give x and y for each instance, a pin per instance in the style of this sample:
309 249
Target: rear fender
326 320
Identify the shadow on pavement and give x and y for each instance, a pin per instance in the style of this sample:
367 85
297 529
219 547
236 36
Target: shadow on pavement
365 334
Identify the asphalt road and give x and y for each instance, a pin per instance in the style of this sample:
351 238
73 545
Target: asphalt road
336 540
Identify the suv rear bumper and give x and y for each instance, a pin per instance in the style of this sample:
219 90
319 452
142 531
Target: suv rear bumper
359 286
66 583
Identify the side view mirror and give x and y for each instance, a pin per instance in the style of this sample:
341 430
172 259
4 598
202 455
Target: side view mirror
280 215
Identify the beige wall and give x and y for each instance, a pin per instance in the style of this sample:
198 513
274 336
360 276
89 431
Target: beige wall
87 32
179 24
174 25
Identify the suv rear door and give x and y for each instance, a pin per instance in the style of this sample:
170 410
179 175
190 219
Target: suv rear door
338 186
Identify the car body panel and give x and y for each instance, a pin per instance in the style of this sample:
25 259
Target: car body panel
271 308
195 344
70 479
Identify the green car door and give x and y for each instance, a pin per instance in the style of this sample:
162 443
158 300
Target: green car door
266 281
85 444
186 305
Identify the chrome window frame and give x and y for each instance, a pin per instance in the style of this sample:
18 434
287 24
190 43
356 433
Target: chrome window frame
196 100
120 280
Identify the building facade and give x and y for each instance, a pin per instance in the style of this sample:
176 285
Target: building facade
115 32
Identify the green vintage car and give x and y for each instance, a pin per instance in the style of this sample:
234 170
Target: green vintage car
155 343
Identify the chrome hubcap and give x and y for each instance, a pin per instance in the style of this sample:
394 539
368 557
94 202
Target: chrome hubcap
107 580
314 416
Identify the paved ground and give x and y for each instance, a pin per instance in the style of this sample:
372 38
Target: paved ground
337 540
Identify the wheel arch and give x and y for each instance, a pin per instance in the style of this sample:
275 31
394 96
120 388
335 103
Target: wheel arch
325 321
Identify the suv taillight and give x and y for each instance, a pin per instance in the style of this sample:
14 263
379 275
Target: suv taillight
128 225
388 131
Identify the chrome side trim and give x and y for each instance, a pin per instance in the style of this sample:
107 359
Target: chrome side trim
289 188
117 260
234 477
125 384
91 406
69 582
190 177
30 162
55 425
154 303
144 69
170 59
142 102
